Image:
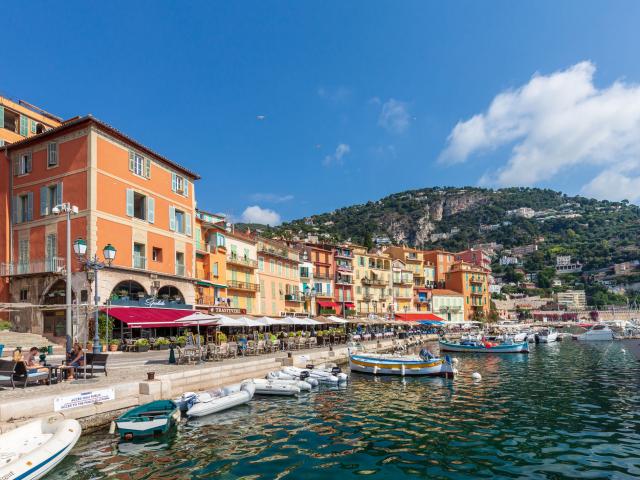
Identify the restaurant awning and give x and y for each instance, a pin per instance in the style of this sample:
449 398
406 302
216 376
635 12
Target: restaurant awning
349 305
327 304
149 317
418 317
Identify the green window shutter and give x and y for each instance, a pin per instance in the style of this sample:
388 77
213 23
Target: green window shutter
33 126
129 202
172 218
29 206
1 116
174 182
187 224
58 193
29 163
147 167
15 208
44 207
24 126
16 166
186 187
151 210
131 160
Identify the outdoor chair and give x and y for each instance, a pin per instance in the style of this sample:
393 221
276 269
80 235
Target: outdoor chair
251 348
291 343
233 349
96 362
221 351
7 371
261 347
23 374
312 342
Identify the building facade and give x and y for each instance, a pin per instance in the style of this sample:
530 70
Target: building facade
472 282
279 278
242 264
343 292
211 261
442 261
373 282
20 120
447 304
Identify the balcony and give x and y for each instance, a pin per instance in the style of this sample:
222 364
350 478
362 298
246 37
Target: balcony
477 281
249 287
140 262
403 281
180 270
49 265
344 281
344 268
323 276
375 282
242 261
343 254
274 252
293 297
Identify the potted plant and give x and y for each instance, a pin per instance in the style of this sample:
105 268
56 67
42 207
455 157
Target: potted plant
161 343
142 345
114 343
181 340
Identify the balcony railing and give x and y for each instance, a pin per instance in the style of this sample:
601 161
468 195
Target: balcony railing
274 252
235 284
323 276
293 297
343 254
374 281
139 262
245 262
344 268
49 265
180 270
344 281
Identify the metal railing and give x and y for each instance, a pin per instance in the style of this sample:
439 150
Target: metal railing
139 262
180 269
293 297
375 281
254 287
247 262
48 265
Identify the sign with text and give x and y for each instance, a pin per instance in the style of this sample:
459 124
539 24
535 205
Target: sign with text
83 399
237 311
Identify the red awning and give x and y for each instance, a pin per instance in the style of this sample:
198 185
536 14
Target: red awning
415 317
421 289
327 304
149 317
349 305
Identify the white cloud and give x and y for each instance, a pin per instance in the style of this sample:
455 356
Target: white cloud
555 123
337 157
256 214
394 116
270 197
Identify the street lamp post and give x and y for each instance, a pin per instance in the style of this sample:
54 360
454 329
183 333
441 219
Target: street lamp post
94 265
69 210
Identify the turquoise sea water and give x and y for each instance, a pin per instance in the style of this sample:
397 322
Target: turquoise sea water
565 410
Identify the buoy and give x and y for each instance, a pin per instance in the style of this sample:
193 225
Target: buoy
476 376
624 351
112 428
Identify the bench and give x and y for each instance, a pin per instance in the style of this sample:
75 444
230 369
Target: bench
7 370
19 372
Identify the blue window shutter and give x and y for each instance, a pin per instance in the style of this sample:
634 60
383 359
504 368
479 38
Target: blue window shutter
172 218
151 209
131 160
29 163
16 166
129 202
174 182
147 168
187 223
58 193
186 187
29 206
15 208
44 201
33 126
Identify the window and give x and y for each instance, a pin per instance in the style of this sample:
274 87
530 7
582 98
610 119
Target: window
263 293
33 126
156 254
84 296
24 126
220 240
317 287
139 256
179 184
179 221
180 264
261 264
235 302
215 270
24 294
23 208
52 155
23 256
139 206
249 305
23 165
280 268
272 266
8 120
273 308
139 165
50 196
273 290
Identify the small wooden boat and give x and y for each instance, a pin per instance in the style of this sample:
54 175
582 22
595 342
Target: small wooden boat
154 418
484 347
33 450
403 365
223 399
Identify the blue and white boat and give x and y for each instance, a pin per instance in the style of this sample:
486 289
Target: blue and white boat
473 346
403 365
154 418
33 450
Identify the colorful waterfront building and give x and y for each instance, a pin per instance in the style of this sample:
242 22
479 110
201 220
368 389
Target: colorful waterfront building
442 261
402 286
473 283
373 282
306 283
447 304
343 292
474 256
321 257
211 262
125 194
279 278
242 284
20 120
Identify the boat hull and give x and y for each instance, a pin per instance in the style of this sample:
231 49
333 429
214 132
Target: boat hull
458 348
62 436
379 366
238 396
552 337
140 422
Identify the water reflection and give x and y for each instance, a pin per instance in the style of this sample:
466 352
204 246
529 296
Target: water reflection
564 410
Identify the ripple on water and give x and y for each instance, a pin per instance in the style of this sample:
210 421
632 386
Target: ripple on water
566 410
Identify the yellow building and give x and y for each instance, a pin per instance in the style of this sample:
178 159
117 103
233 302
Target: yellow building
414 263
373 282
20 120
211 261
242 263
402 287
279 278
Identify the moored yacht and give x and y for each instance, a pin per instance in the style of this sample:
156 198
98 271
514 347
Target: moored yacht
546 335
597 333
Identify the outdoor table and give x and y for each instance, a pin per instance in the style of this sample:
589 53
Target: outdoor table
54 373
357 337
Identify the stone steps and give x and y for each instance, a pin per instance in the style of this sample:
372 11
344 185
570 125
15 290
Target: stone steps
11 340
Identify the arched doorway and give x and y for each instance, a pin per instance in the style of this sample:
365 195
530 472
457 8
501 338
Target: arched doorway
54 319
171 294
127 291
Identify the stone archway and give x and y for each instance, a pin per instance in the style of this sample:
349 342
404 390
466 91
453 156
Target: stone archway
128 290
170 293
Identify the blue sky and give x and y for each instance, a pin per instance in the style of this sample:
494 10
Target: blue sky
360 99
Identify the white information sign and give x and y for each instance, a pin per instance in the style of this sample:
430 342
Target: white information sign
83 399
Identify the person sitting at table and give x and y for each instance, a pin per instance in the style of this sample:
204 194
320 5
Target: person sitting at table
76 360
283 341
30 358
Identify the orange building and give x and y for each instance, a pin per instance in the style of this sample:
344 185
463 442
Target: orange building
442 261
321 256
211 261
473 283
20 120
127 195
279 278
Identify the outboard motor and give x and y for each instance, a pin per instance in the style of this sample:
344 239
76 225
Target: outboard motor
304 374
310 366
335 371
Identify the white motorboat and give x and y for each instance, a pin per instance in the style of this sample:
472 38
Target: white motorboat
223 399
597 333
320 375
520 337
280 375
33 450
277 387
547 335
332 369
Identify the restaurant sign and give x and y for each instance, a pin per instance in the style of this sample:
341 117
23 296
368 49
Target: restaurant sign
83 399
230 310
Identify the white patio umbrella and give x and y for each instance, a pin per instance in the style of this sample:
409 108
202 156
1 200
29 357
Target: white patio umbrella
268 321
198 318
300 321
224 321
335 319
